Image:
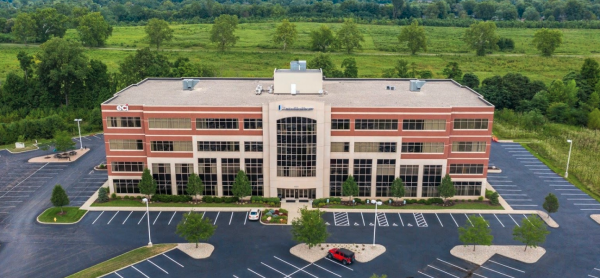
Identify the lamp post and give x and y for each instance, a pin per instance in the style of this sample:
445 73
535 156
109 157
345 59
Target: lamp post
145 200
569 158
79 128
375 222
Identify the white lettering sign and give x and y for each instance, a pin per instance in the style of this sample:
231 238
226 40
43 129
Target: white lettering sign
281 107
123 107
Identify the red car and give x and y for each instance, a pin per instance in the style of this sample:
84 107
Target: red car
344 255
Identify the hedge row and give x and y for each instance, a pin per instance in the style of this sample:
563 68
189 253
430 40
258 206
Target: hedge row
212 199
264 200
171 198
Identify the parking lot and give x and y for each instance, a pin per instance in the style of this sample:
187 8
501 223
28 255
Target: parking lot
496 267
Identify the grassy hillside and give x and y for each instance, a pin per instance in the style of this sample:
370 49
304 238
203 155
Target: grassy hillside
255 55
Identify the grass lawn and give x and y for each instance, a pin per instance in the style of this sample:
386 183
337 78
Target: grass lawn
72 215
124 260
460 205
138 203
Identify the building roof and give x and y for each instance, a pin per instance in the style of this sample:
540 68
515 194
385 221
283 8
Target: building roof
232 92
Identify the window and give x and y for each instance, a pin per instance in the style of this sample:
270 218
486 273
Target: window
432 177
340 147
253 146
411 124
229 169
123 122
410 176
362 174
254 170
161 172
374 124
296 147
218 146
126 186
182 174
428 147
340 124
207 170
209 123
170 123
467 188
127 166
474 147
171 146
375 147
252 123
470 123
125 144
386 169
338 173
466 169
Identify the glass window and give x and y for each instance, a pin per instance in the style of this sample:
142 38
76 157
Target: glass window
229 169
478 146
127 166
253 124
218 146
161 172
123 122
182 174
340 147
466 169
253 146
410 176
432 178
427 147
125 186
375 124
254 170
207 170
125 144
338 173
296 147
467 188
470 123
411 124
362 174
171 146
386 169
340 124
170 123
211 123
375 147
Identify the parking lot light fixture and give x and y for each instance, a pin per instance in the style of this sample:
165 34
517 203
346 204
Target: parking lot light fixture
375 222
145 200
569 158
79 128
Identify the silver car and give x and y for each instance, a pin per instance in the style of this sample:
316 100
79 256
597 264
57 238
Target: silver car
254 214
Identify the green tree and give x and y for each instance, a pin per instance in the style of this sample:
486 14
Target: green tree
446 189
285 34
414 37
594 100
147 184
62 67
59 197
482 37
223 31
453 71
550 204
590 71
558 112
103 195
322 39
350 187
62 141
397 188
144 63
195 186
349 36
485 10
532 232
194 228
377 276
476 232
24 28
350 68
594 119
402 69
158 31
241 186
49 23
93 30
531 14
547 40
470 80
323 61
397 7
25 62
309 228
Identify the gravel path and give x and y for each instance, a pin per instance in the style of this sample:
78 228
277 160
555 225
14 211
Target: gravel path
484 253
363 252
203 251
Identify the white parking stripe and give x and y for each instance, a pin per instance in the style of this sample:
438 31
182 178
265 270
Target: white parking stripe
157 266
172 260
425 274
256 273
443 271
97 218
488 224
452 265
524 205
337 263
140 272
230 218
246 218
571 194
363 218
172 218
512 190
285 275
568 185
299 269
501 185
218 212
507 266
469 220
581 199
157 219
499 220
587 204
118 274
112 218
593 276
142 218
327 270
589 209
524 200
401 219
568 189
127 217
454 220
514 220
497 272
527 218
439 220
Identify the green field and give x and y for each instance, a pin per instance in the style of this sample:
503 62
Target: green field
256 56
71 215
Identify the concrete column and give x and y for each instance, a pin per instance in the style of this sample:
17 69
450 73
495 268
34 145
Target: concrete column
173 179
219 178
420 183
373 177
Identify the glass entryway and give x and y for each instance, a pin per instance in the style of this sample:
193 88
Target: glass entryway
297 193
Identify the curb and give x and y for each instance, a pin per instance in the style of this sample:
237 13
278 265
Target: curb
132 263
55 223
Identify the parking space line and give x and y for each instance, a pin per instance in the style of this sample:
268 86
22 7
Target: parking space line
118 274
97 218
469 220
587 204
514 220
488 224
218 212
140 272
341 219
235 276
524 200
246 218
157 219
497 272
285 275
363 218
256 273
425 274
172 218
337 263
452 265
112 218
327 270
581 199
499 220
507 266
569 185
420 220
157 266
144 215
299 269
382 219
172 260
593 276
442 271
567 189
508 185
401 219
571 194
230 218
454 220
526 218
439 220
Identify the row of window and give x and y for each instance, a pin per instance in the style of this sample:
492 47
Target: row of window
183 123
408 147
408 124
185 146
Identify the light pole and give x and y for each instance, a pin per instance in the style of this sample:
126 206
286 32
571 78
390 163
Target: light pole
569 158
375 223
145 200
79 128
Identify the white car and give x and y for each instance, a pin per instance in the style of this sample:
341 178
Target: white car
254 214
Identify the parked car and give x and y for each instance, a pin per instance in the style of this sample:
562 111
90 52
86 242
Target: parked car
254 214
344 255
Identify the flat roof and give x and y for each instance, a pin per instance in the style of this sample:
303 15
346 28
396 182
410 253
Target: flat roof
231 92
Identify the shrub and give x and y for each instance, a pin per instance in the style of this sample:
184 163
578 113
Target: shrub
488 193
494 199
103 195
283 210
208 199
113 196
357 201
421 201
480 198
437 200
428 202
218 200
256 199
171 198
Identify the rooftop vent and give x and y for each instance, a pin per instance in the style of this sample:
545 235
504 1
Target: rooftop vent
390 88
270 89
188 84
259 89
298 65
416 85
293 89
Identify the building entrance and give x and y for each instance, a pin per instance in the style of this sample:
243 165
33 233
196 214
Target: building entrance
297 193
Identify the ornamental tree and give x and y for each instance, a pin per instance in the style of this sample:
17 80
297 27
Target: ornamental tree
59 197
193 227
147 185
447 189
350 187
397 188
476 232
241 187
532 232
309 228
195 186
551 204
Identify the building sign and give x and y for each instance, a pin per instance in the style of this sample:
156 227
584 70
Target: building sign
123 107
282 108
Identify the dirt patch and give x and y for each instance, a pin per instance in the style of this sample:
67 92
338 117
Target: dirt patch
484 253
363 252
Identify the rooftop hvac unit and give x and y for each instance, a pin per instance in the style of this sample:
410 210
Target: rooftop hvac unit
298 65
270 89
259 89
416 85
293 89
390 88
188 84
